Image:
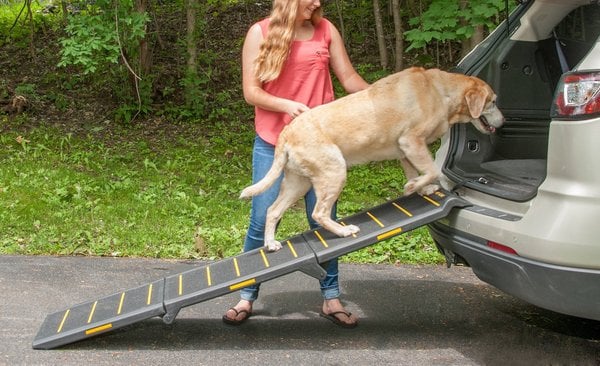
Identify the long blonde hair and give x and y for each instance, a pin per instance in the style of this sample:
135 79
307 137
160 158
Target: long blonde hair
276 46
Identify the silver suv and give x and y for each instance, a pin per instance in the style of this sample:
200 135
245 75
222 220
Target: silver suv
533 230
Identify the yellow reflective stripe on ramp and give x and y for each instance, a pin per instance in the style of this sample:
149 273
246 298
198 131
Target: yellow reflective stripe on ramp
208 279
64 319
321 239
98 329
405 211
243 284
92 312
264 257
375 219
389 234
180 287
237 267
292 249
435 203
149 299
121 303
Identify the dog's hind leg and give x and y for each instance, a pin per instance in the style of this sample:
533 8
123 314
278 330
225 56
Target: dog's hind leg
293 187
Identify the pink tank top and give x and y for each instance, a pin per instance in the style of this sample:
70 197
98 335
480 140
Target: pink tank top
304 78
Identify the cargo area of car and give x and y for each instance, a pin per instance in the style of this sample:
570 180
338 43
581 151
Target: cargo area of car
524 74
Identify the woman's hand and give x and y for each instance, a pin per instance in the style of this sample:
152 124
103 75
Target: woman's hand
294 109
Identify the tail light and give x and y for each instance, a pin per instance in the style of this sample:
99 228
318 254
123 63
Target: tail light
577 96
501 247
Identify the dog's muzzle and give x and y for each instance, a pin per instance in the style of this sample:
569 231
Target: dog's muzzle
486 124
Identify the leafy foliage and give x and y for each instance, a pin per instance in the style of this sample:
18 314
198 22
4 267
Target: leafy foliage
446 20
94 36
15 24
90 47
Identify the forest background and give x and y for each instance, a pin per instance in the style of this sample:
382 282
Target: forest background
123 130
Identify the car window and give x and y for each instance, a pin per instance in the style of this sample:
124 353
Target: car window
581 25
578 32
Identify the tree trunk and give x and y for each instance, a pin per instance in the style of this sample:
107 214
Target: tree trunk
399 35
31 29
339 7
477 36
65 11
191 7
145 60
468 44
383 56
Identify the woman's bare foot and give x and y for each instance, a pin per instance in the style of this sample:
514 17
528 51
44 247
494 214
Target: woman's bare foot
334 310
239 313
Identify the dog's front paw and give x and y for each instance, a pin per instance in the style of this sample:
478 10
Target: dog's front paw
349 230
410 187
429 189
273 245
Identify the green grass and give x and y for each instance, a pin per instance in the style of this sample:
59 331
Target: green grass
12 11
123 192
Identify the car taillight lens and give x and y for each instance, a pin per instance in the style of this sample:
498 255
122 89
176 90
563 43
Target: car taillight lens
501 247
577 96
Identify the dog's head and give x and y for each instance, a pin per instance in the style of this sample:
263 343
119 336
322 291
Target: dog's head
481 103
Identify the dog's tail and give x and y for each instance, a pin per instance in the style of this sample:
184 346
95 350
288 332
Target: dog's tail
279 161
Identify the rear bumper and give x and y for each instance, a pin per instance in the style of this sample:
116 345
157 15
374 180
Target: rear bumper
566 290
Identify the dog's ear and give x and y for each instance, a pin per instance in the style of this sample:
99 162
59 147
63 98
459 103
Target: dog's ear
476 98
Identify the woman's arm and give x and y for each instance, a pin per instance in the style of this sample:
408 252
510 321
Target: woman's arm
254 93
341 65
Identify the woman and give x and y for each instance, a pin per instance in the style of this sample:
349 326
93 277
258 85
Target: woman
285 68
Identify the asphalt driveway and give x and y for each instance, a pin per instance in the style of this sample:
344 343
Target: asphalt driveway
409 315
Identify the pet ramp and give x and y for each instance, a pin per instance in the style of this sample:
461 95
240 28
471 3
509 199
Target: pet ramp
306 252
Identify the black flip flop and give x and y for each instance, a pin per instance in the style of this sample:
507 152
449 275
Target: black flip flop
335 320
234 321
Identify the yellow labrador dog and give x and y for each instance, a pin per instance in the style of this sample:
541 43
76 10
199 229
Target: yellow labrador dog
395 118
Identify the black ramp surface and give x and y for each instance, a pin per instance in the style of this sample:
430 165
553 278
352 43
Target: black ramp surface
95 317
304 252
383 222
231 274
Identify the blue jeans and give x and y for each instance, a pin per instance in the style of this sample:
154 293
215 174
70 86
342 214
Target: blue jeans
262 158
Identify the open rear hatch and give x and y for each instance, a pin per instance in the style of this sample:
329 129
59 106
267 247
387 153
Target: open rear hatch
524 73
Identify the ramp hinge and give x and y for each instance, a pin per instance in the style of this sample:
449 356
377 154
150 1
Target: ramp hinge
314 270
170 316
